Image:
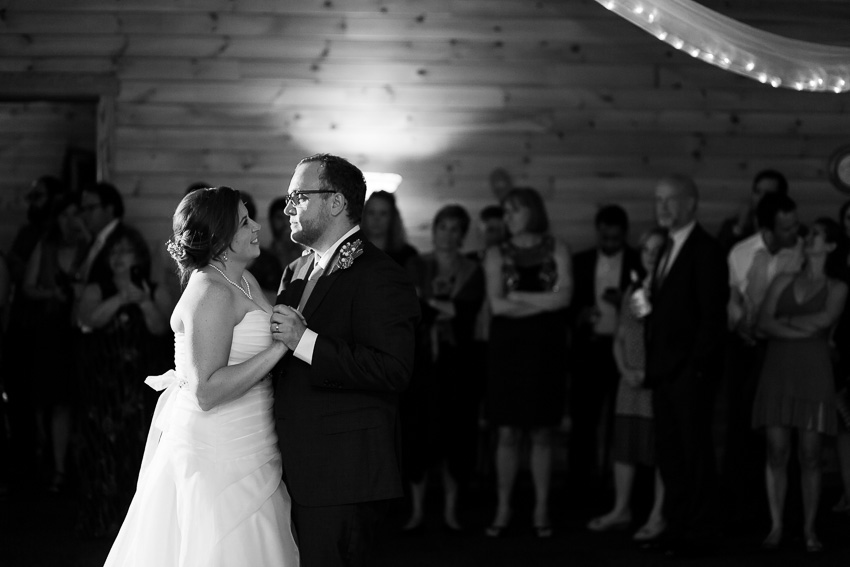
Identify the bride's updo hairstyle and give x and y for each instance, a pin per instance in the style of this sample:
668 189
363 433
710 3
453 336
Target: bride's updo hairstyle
204 224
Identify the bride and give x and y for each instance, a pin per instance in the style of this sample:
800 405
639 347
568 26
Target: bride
210 490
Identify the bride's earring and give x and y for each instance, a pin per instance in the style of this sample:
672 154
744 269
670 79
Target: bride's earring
224 257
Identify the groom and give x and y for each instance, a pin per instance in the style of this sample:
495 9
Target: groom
347 312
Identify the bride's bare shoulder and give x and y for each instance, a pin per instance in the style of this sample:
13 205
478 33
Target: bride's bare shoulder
206 300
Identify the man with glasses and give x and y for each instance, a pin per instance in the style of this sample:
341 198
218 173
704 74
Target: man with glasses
102 209
347 312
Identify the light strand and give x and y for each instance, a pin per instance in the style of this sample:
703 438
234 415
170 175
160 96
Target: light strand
733 46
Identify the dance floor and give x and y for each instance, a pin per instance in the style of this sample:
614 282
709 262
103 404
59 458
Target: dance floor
36 529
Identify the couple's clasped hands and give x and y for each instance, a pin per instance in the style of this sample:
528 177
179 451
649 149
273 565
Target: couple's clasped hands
287 325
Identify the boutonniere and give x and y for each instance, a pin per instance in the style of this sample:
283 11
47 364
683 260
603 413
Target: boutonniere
347 254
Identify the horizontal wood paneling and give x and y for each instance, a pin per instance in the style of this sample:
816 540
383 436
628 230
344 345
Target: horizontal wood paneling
566 96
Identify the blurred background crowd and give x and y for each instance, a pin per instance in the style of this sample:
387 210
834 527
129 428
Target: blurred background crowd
675 383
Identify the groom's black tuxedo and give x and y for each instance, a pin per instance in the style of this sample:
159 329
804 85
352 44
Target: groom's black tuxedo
337 419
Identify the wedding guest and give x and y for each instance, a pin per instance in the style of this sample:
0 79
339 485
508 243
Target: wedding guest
600 276
753 264
491 227
127 313
633 440
102 209
282 246
453 293
686 330
796 388
745 222
529 285
22 334
49 284
383 227
266 268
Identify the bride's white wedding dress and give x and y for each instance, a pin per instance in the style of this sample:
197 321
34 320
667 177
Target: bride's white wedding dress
210 490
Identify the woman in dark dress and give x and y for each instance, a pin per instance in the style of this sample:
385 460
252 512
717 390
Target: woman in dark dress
529 285
129 315
796 389
49 283
452 296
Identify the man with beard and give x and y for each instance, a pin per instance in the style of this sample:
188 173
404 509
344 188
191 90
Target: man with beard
347 312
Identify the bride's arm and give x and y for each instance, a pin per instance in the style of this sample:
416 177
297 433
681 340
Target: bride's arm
208 319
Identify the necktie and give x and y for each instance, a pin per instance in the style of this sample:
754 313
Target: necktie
308 288
757 283
663 261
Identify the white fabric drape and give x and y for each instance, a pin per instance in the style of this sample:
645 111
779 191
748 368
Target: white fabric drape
737 47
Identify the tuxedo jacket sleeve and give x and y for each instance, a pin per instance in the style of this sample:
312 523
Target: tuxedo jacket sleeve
378 355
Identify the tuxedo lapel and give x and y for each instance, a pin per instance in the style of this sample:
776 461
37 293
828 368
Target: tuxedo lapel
324 283
682 259
294 288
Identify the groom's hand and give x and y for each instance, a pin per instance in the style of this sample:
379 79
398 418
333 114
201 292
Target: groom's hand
287 325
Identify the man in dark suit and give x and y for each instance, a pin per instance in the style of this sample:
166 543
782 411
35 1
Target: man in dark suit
685 334
347 311
600 276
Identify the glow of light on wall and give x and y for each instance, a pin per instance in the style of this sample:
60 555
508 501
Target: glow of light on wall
379 181
726 43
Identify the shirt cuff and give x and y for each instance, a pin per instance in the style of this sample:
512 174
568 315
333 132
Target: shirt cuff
304 350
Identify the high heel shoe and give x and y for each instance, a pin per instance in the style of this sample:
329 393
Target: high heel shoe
57 483
543 532
650 531
813 544
772 541
606 523
498 530
495 532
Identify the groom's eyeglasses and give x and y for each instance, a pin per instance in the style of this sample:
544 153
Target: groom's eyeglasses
297 197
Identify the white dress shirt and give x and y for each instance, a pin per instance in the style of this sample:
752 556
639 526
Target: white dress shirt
304 350
678 237
752 286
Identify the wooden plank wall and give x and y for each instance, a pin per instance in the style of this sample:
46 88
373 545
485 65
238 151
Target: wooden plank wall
564 95
34 139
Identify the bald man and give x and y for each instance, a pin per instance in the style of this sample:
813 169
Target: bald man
685 333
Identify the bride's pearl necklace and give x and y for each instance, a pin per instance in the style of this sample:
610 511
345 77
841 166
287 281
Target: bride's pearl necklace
233 283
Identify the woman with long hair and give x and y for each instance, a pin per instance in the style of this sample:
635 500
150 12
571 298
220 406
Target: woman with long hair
796 390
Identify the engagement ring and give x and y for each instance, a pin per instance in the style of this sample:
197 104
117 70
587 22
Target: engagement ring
276 328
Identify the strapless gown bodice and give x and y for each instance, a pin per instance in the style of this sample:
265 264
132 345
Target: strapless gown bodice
233 429
210 492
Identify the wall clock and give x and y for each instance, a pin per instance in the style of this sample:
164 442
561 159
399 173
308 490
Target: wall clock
839 169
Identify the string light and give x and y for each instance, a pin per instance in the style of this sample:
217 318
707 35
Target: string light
713 42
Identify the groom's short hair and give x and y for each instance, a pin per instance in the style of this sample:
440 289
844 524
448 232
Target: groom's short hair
340 176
